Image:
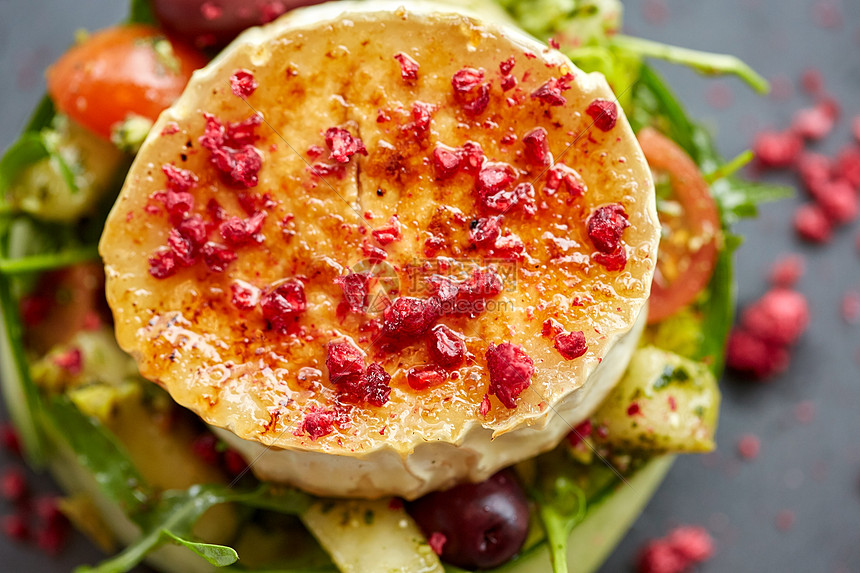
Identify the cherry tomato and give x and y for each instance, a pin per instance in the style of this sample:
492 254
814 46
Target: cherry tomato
120 71
691 227
213 23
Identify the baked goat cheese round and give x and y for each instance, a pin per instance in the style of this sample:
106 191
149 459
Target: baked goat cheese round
385 249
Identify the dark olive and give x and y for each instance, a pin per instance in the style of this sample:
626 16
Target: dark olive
484 524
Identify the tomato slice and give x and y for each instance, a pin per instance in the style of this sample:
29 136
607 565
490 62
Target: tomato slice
691 227
121 71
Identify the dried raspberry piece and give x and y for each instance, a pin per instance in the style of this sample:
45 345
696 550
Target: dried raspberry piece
184 252
178 179
560 175
510 371
244 295
344 360
579 433
373 252
376 387
318 422
408 67
194 230
537 147
423 377
178 203
483 232
410 316
812 81
422 113
10 439
342 144
814 169
162 264
604 113
493 178
217 257
612 261
812 224
447 347
479 104
786 271
838 201
777 149
53 538
509 247
466 80
238 232
571 345
446 162
550 92
283 304
437 541
170 129
551 327
231 150
507 66
472 294
15 527
388 234
472 156
778 317
675 554
70 360
748 353
13 484
355 288
484 408
848 165
749 446
243 84
813 123
503 201
508 83
692 542
605 227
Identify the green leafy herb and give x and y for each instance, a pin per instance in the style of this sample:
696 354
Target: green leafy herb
97 450
217 555
49 261
140 12
561 506
29 149
42 116
730 168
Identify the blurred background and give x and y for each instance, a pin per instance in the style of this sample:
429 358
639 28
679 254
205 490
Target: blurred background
795 504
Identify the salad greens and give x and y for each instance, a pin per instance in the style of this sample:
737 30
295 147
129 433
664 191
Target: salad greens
565 487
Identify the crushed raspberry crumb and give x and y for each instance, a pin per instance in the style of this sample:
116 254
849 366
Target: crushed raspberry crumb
389 233
342 144
472 156
71 361
483 232
344 360
170 129
493 178
615 261
446 162
812 81
815 122
244 295
162 264
777 149
10 439
786 271
749 446
447 348
604 113
422 113
509 247
814 169
510 371
571 345
217 257
507 66
13 484
503 201
423 377
537 147
15 526
472 294
243 84
812 223
551 328
560 175
410 316
231 149
784 520
318 422
374 386
550 92
408 67
283 304
848 165
484 408
355 288
605 227
480 102
184 252
194 230
508 83
633 409
751 355
579 433
179 179
437 541
778 317
466 80
237 232
838 200
677 552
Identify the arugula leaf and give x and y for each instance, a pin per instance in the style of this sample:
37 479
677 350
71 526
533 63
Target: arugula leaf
217 555
48 261
98 451
42 116
703 62
140 12
29 149
178 511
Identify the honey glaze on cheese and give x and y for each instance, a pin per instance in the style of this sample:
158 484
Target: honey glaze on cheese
383 230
